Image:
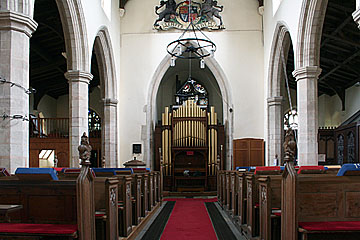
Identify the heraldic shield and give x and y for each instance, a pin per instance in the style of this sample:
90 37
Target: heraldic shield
184 12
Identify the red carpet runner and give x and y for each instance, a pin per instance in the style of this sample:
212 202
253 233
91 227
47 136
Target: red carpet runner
189 220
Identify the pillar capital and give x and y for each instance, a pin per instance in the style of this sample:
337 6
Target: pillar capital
78 76
308 72
277 100
356 16
110 102
10 20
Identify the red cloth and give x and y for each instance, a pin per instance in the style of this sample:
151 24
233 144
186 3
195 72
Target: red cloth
330 226
38 228
314 168
189 220
268 168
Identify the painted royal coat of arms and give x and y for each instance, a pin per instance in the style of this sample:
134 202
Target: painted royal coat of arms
201 13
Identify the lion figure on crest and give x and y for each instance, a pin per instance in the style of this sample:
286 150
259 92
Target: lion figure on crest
167 13
210 9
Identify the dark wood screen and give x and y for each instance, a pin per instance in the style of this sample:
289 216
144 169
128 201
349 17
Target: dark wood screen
248 152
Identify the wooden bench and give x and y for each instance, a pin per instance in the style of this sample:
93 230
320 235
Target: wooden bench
106 200
240 215
51 208
321 206
4 172
252 204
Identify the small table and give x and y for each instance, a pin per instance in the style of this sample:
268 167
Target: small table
5 209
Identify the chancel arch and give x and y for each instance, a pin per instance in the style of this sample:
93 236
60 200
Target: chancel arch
223 90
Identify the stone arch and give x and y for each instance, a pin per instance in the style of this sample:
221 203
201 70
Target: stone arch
307 71
280 46
78 71
103 49
76 42
224 86
310 30
106 64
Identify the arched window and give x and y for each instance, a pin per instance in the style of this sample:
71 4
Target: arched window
291 120
94 121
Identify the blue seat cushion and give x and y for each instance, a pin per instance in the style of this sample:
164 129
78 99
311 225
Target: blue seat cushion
242 169
104 170
31 173
349 169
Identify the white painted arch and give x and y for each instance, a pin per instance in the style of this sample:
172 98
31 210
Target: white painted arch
224 86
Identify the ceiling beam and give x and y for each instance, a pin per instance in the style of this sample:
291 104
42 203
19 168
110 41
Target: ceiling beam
44 55
340 65
338 29
343 40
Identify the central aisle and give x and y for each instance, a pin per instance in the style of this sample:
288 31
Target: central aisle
189 220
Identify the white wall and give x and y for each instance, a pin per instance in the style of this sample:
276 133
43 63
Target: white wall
240 55
47 106
330 114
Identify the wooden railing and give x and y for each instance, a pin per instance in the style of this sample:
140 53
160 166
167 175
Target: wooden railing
54 128
49 127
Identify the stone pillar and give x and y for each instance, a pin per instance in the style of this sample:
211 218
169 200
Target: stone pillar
78 110
356 14
275 128
109 132
307 106
16 27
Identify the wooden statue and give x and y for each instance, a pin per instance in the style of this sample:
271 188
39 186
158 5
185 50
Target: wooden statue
84 150
289 146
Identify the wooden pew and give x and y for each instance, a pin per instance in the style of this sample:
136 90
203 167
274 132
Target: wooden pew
269 199
321 206
241 198
125 205
221 186
51 208
125 199
4 172
106 199
252 208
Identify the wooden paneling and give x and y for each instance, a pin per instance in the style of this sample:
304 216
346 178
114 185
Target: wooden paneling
248 152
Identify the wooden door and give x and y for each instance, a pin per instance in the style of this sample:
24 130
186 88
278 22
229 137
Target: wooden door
248 152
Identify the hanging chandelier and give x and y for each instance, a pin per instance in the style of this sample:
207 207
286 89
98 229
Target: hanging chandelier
192 43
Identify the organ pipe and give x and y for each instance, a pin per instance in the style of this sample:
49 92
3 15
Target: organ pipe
189 126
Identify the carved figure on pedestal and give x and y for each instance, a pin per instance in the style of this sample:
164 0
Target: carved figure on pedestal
289 145
168 13
210 9
84 150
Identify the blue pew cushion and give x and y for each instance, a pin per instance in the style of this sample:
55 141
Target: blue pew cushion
243 169
36 174
104 171
349 169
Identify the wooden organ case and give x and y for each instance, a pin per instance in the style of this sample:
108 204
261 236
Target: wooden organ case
192 142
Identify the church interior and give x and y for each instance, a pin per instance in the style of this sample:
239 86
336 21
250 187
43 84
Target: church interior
179 119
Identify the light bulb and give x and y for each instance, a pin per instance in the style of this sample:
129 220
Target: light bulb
212 53
172 63
202 63
179 51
